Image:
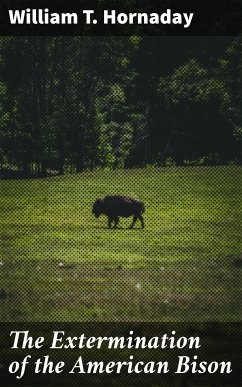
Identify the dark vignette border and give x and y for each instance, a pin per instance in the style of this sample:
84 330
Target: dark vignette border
219 342
217 17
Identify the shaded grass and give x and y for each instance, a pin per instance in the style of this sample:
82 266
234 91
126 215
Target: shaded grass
182 260
196 291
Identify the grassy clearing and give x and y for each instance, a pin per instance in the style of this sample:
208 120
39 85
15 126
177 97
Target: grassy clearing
59 262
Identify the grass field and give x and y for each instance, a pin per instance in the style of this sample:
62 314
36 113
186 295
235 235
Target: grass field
60 263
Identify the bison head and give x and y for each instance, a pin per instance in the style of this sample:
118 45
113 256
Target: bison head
97 207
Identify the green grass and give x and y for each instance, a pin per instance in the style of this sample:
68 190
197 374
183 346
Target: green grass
179 267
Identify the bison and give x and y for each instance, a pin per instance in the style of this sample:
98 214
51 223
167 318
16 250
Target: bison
116 206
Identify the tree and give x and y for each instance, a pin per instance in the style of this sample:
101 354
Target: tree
230 69
195 107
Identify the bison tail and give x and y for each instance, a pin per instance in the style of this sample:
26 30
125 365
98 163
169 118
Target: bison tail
142 209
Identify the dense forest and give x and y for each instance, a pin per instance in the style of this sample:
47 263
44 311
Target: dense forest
70 104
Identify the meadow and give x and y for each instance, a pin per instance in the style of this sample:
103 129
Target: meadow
59 263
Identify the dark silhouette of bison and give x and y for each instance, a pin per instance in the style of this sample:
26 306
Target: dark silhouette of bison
116 206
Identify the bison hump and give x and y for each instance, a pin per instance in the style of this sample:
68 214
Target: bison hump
118 205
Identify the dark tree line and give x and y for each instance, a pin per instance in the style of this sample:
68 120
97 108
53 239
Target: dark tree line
70 103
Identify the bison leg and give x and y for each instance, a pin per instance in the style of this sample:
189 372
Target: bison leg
134 220
110 220
116 220
142 220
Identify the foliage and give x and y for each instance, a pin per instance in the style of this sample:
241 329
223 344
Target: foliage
78 103
200 125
